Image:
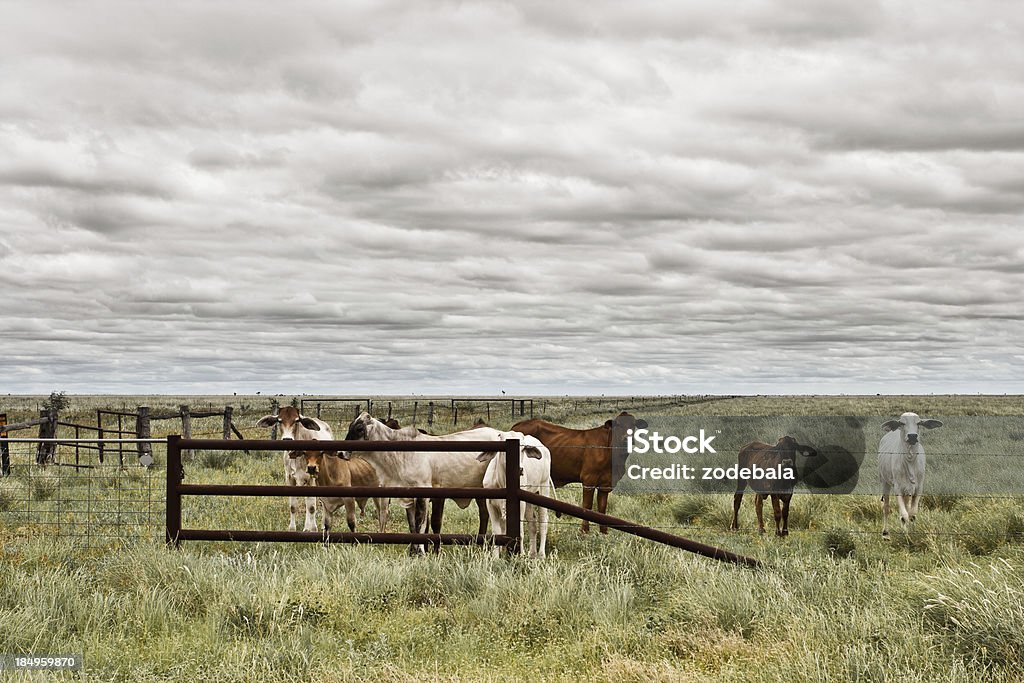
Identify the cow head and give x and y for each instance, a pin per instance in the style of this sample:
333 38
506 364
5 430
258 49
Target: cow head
313 460
529 446
289 420
909 424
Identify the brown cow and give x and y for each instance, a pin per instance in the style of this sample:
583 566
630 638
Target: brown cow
780 460
593 457
325 468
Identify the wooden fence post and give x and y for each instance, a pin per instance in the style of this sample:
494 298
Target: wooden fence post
455 413
186 425
142 431
430 414
99 432
415 405
228 410
46 452
5 454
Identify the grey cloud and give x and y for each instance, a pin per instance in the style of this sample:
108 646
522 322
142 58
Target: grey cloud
539 198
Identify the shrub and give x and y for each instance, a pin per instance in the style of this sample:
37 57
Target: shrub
839 542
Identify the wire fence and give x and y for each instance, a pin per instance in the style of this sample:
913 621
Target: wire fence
81 499
102 504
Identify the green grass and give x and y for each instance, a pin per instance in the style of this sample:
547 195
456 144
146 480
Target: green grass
833 601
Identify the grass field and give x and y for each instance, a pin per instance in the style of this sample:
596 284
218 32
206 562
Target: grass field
832 602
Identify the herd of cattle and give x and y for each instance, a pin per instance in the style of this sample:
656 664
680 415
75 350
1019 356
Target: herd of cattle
550 456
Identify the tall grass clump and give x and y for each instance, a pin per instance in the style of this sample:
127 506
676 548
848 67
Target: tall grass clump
839 542
981 609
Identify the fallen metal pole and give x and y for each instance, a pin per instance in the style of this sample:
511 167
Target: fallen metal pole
637 529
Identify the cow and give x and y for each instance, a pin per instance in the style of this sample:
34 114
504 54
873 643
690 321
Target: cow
301 428
423 468
593 457
901 466
325 468
535 475
778 463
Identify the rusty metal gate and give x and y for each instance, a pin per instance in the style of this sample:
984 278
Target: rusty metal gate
512 495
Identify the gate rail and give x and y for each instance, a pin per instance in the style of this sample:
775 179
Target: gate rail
176 489
512 495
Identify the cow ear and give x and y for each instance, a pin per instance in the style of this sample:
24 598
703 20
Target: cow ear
609 424
930 424
641 424
345 455
486 456
310 424
533 452
891 425
267 421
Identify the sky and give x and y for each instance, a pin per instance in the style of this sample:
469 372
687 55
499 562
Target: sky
536 198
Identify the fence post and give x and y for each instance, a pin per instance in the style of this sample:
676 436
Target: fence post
430 414
5 454
415 405
175 474
455 413
228 410
99 432
142 431
318 410
186 425
46 452
512 517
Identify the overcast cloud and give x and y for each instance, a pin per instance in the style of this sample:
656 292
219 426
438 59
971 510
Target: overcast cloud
459 197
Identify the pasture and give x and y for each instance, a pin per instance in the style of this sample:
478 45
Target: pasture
833 602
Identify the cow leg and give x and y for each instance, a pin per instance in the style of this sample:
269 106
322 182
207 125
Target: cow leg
736 500
436 517
497 515
481 506
758 507
543 523
602 505
327 517
529 513
310 515
293 502
382 513
777 514
350 513
901 502
913 506
785 514
885 511
588 503
416 515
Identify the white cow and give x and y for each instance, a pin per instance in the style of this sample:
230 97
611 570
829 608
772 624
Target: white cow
420 468
298 427
901 466
534 475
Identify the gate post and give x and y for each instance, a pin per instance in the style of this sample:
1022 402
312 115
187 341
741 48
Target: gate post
46 451
229 411
142 431
175 474
512 517
5 455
